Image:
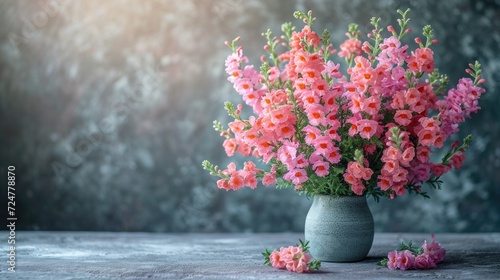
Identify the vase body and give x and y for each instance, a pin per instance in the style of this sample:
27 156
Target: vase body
339 229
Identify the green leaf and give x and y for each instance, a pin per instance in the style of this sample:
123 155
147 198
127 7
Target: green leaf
383 262
267 254
315 265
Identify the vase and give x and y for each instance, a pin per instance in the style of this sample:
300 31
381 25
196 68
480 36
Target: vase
339 229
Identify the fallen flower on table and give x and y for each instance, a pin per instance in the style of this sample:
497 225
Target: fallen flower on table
293 258
409 257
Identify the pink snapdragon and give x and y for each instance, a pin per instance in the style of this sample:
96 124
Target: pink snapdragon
292 258
434 250
350 48
421 61
392 51
405 260
424 261
409 257
464 96
384 115
354 175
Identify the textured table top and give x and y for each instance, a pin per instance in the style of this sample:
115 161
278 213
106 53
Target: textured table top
104 255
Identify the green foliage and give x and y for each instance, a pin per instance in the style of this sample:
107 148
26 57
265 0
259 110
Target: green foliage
438 80
267 253
307 18
429 35
403 23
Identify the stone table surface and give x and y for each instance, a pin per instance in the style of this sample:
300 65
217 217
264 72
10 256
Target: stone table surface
110 255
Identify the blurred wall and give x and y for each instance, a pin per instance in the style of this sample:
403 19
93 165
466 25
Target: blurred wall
106 111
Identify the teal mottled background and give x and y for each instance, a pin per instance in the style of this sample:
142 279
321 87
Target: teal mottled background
106 110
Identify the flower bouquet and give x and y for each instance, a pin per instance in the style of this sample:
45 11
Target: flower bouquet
367 130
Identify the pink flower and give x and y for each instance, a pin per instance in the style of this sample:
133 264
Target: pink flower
269 179
349 178
285 131
385 182
223 184
302 265
372 105
236 181
403 117
309 99
439 169
332 70
434 250
293 258
390 167
370 149
412 96
333 156
332 133
399 175
329 100
332 120
264 146
405 260
282 115
423 153
310 74
392 52
407 156
457 160
244 86
391 154
438 140
353 130
323 145
321 168
355 169
432 254
316 115
276 260
426 137
300 161
398 100
230 146
350 47
430 123
357 103
236 127
393 258
287 152
250 180
422 171
274 73
312 133
358 188
367 128
424 261
296 176
421 61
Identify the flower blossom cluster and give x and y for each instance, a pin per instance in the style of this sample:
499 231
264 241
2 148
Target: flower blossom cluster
368 130
425 257
292 258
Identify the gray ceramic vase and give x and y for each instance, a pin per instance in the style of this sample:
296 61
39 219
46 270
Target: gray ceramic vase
339 229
